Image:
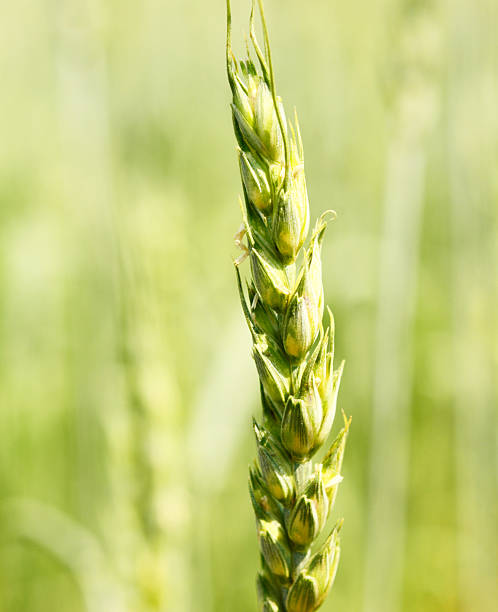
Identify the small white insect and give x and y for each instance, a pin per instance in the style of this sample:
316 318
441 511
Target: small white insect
239 237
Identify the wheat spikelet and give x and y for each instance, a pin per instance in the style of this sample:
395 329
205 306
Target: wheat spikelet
283 304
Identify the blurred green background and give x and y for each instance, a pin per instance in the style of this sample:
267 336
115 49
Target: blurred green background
126 385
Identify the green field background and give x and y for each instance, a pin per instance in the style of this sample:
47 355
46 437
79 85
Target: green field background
126 383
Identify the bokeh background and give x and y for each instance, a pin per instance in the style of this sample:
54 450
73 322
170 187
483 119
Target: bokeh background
126 385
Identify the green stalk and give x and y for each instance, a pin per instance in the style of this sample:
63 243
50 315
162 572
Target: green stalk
413 104
283 304
472 136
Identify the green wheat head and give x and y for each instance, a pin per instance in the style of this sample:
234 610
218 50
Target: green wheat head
283 305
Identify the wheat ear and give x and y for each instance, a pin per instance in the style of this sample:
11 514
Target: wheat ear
283 305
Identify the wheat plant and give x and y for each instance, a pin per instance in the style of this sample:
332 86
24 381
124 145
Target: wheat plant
283 304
